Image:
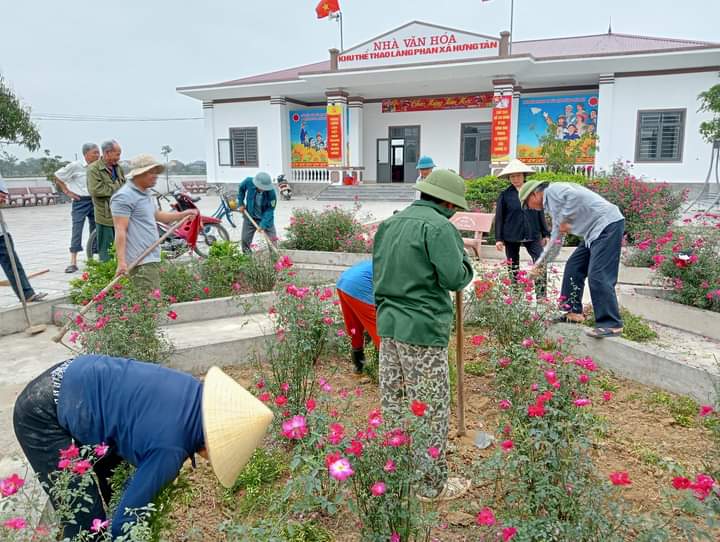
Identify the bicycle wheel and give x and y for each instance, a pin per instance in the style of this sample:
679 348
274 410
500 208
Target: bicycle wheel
209 234
92 240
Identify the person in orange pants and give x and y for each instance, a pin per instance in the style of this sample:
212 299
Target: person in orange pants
357 302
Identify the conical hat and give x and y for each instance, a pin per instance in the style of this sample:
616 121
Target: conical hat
515 166
234 423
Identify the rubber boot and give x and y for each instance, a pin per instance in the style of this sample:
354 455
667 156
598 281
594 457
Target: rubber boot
358 358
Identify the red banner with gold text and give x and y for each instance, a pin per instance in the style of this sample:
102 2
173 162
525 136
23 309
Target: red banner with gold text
501 120
334 133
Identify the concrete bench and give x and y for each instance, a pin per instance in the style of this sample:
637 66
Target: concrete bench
478 223
44 194
20 196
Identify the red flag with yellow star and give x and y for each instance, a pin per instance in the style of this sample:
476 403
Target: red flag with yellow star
326 7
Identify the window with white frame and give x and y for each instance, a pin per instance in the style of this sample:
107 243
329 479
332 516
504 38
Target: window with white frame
660 135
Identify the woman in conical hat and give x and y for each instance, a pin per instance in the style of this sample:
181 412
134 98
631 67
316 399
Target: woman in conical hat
515 226
153 417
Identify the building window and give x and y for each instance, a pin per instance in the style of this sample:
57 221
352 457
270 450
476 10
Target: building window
660 136
244 147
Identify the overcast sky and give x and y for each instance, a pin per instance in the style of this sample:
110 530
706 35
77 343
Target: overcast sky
125 58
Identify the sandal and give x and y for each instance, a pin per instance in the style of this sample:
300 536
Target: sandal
39 296
454 489
71 269
602 332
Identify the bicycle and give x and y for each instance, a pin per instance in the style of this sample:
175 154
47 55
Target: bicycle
228 204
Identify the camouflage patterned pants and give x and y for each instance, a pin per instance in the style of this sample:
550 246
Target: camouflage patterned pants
409 372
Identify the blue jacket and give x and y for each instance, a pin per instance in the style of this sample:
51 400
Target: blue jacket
266 213
149 415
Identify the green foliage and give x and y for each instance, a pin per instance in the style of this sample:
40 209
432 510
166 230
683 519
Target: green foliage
272 530
158 521
478 368
483 192
331 230
561 156
16 125
683 409
372 365
125 324
710 103
260 274
635 328
97 275
562 177
224 268
263 470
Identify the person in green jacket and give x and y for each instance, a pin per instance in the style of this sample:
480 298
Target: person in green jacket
104 178
418 260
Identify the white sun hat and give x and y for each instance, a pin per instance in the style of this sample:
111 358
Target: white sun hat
143 163
515 166
234 424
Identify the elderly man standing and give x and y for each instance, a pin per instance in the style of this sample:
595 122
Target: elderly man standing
104 178
418 260
72 180
134 216
577 210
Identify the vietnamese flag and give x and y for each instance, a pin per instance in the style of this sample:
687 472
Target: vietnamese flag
326 7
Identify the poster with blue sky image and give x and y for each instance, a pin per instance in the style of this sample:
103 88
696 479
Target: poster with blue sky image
308 137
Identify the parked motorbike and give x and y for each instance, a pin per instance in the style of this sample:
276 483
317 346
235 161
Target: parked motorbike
284 188
176 244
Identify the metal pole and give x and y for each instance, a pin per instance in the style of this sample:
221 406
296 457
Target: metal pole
512 20
340 20
460 362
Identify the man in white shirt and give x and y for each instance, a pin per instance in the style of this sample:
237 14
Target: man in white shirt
72 180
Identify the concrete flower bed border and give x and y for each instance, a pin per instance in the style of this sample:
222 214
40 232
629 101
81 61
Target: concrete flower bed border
650 303
645 364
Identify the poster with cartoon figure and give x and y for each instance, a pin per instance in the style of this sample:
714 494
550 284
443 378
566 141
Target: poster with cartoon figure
308 137
570 117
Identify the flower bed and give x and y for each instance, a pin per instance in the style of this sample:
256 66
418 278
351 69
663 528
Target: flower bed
331 230
579 455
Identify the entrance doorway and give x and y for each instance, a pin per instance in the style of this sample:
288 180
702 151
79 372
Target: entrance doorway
397 155
474 150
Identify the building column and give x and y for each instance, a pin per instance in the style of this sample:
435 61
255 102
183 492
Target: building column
211 144
356 160
603 155
515 116
339 98
502 124
281 125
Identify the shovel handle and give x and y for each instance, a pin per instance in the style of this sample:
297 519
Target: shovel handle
267 237
57 338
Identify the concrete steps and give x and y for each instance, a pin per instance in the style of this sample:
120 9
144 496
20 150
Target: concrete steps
369 192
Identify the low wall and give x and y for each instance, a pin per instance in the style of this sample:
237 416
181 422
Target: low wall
642 363
12 320
650 304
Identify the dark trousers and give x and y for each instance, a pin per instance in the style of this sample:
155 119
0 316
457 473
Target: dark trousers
42 437
599 264
81 209
105 238
534 249
248 233
7 268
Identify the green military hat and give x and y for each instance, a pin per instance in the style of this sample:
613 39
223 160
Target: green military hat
528 188
446 186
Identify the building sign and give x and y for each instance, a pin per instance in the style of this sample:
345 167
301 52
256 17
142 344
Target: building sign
404 105
419 42
501 121
334 133
308 138
570 118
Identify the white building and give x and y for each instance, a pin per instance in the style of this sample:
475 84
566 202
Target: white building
470 101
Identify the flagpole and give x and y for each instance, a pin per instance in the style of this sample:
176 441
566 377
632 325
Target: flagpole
340 21
512 20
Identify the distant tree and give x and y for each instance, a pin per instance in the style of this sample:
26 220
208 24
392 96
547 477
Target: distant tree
50 164
710 103
15 123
